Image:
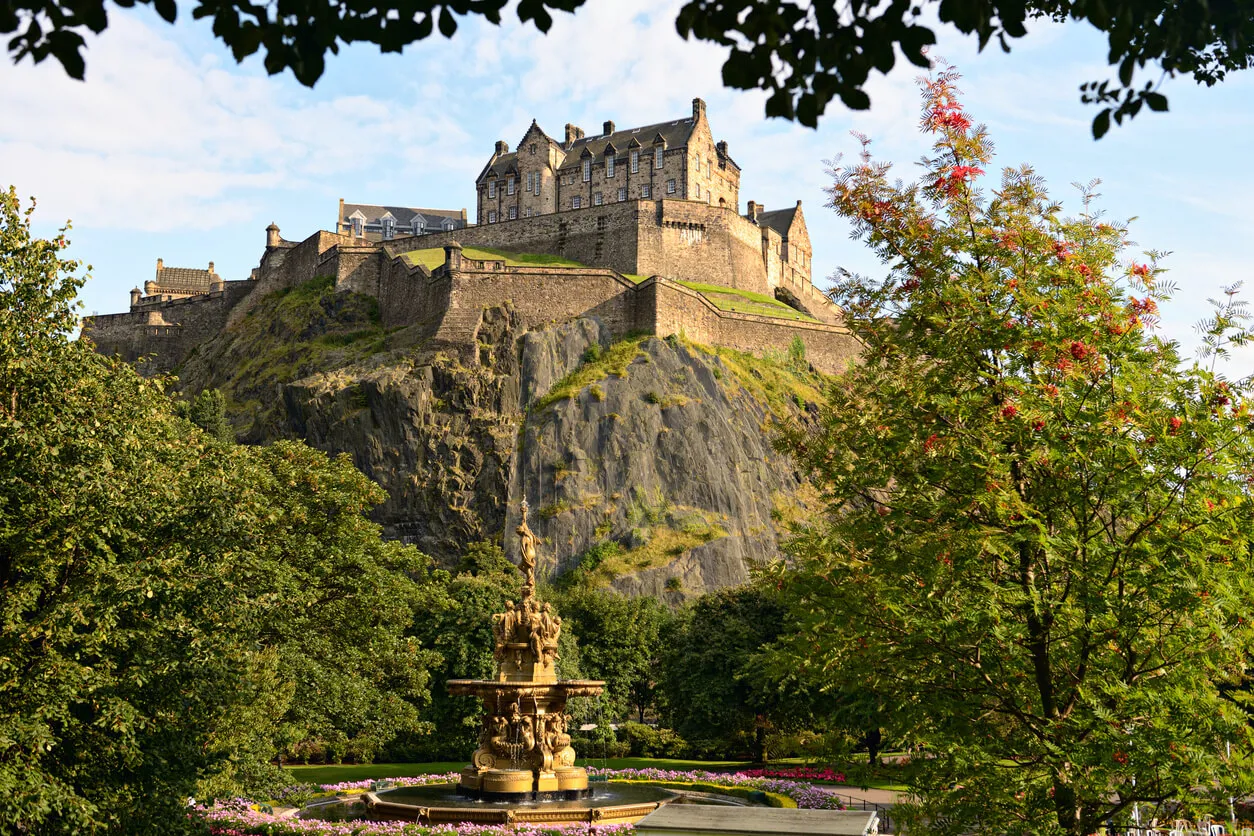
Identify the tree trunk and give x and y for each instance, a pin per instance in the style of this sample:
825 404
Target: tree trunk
873 740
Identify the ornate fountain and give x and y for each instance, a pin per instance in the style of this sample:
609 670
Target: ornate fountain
524 751
523 769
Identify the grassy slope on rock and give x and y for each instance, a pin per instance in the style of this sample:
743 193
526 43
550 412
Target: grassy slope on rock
746 301
288 335
782 384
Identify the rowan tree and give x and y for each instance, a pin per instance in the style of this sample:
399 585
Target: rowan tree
1036 545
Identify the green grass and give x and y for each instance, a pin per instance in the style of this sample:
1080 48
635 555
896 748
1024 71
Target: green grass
746 301
433 257
613 361
635 278
334 773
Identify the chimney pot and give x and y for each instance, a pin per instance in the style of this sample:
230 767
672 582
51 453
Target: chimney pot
608 127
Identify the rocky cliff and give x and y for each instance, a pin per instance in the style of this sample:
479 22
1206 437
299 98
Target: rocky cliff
647 463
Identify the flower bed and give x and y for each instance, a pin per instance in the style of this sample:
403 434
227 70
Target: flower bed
240 818
802 773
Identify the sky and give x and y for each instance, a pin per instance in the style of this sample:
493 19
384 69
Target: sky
169 149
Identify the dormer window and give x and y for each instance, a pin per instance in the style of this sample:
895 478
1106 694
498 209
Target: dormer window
491 188
587 170
635 162
389 228
509 185
609 168
357 227
657 156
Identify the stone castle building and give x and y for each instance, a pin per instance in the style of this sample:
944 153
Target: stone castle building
649 218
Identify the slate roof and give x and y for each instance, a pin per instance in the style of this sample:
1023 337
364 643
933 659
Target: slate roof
404 214
676 134
779 220
185 279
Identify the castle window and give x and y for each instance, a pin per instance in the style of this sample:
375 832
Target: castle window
622 195
657 158
576 202
609 167
389 228
531 149
509 185
357 227
635 162
537 182
670 186
646 190
596 199
587 170
513 213
698 187
492 217
491 188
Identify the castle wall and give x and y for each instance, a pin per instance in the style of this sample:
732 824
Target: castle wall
700 243
540 297
830 348
603 235
411 296
168 331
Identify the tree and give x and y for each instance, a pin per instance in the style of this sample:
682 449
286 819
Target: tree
618 643
207 410
1037 542
712 676
172 606
804 53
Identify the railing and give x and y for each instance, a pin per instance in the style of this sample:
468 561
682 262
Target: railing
884 811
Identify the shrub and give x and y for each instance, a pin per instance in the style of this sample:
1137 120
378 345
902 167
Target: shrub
649 742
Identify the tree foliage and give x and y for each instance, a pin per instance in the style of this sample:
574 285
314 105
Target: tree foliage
805 54
618 643
1038 539
716 692
162 592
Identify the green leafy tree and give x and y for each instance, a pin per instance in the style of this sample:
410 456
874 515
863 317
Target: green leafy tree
207 410
618 643
172 607
805 54
717 693
1037 544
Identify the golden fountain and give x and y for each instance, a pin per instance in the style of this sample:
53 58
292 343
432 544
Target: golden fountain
523 769
524 750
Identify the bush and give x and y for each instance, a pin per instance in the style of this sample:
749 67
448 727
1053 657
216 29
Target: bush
649 742
598 747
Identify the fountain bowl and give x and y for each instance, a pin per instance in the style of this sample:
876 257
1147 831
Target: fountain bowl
445 804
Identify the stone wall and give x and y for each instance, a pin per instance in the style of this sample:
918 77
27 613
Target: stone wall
166 332
678 310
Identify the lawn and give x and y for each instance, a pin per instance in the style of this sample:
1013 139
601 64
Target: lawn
746 301
433 257
334 773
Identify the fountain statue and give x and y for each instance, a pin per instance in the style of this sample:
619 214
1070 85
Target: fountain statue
524 751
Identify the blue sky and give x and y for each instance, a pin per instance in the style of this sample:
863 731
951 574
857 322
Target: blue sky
171 150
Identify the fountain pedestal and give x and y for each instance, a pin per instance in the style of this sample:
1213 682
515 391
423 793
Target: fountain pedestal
524 751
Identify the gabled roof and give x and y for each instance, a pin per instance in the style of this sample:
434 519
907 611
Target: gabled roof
404 215
779 220
675 134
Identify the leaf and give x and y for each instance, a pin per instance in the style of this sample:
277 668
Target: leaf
1101 124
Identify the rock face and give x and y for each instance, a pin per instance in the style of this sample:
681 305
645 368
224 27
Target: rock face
647 463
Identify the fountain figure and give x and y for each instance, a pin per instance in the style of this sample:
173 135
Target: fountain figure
524 751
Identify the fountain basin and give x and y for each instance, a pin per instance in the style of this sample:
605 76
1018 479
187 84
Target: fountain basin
444 804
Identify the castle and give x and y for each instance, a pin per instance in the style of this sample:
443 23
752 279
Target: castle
642 226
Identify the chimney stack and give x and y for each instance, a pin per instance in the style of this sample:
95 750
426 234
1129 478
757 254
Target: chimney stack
698 109
502 147
722 148
211 268
755 210
160 264
573 133
608 128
